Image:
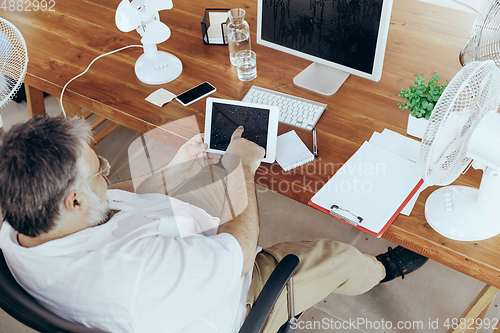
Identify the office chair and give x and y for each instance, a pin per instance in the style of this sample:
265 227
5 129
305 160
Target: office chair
281 276
19 304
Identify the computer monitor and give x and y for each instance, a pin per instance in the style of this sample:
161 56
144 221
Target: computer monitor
340 37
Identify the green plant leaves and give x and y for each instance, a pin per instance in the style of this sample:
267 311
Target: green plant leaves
421 97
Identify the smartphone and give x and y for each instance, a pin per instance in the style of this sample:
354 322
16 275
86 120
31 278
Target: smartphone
195 94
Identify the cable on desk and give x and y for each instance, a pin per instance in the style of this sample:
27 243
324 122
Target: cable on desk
85 71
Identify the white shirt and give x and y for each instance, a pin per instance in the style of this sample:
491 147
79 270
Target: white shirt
146 270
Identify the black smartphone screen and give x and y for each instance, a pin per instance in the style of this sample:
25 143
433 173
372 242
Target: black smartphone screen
195 93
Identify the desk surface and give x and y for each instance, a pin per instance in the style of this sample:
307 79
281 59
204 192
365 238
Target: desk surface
63 42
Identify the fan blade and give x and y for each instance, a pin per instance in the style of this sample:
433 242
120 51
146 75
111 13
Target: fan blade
155 6
156 33
127 18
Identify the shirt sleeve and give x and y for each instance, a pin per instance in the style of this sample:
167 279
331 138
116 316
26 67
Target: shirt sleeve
186 277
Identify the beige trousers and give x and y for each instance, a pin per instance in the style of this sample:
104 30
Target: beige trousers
326 266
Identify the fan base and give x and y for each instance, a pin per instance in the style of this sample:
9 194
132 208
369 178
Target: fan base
158 68
454 213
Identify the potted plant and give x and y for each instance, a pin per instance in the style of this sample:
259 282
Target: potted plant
420 98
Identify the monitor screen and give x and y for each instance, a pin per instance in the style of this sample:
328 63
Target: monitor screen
348 35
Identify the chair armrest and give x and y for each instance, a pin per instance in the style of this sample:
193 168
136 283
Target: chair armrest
269 295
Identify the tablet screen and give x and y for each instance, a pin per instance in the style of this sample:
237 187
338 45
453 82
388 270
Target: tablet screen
227 117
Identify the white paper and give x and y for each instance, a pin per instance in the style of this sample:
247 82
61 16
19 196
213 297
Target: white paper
403 146
397 143
372 184
409 206
214 31
160 97
291 152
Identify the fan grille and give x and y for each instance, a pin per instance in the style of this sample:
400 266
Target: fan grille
13 60
484 43
474 91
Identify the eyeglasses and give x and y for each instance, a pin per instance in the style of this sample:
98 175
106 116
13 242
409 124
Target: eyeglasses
103 168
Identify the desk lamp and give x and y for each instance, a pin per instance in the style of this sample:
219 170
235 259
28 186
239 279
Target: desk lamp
462 128
153 67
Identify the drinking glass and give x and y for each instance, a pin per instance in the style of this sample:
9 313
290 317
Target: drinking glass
246 65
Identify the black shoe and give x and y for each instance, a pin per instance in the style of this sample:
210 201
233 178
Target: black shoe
400 261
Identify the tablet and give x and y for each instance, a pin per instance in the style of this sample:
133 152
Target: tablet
223 116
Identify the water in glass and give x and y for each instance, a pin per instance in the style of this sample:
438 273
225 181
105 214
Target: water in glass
246 65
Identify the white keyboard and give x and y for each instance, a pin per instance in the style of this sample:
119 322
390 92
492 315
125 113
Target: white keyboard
294 111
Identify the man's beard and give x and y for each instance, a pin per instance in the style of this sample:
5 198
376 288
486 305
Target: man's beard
99 211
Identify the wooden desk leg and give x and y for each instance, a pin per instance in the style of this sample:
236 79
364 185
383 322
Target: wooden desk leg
477 309
105 132
35 100
71 109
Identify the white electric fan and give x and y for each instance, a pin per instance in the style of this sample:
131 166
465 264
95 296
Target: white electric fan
464 127
13 62
153 67
484 40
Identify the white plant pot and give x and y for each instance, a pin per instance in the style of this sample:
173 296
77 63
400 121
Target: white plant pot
416 126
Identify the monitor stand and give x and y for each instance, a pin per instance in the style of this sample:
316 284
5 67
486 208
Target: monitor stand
322 79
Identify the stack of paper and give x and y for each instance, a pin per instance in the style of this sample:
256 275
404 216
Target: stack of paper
291 152
404 146
215 30
374 185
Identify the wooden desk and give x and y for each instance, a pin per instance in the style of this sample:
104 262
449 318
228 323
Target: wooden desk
63 42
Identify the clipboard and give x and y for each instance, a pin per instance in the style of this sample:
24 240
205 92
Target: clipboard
370 189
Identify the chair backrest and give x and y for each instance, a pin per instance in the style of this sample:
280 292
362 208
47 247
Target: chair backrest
19 304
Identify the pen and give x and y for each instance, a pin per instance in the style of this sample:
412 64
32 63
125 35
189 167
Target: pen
315 143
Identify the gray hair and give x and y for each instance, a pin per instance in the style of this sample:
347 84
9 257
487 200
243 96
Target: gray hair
39 165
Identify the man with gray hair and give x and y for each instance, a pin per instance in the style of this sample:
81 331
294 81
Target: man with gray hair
124 262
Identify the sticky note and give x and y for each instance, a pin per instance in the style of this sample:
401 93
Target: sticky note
160 97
